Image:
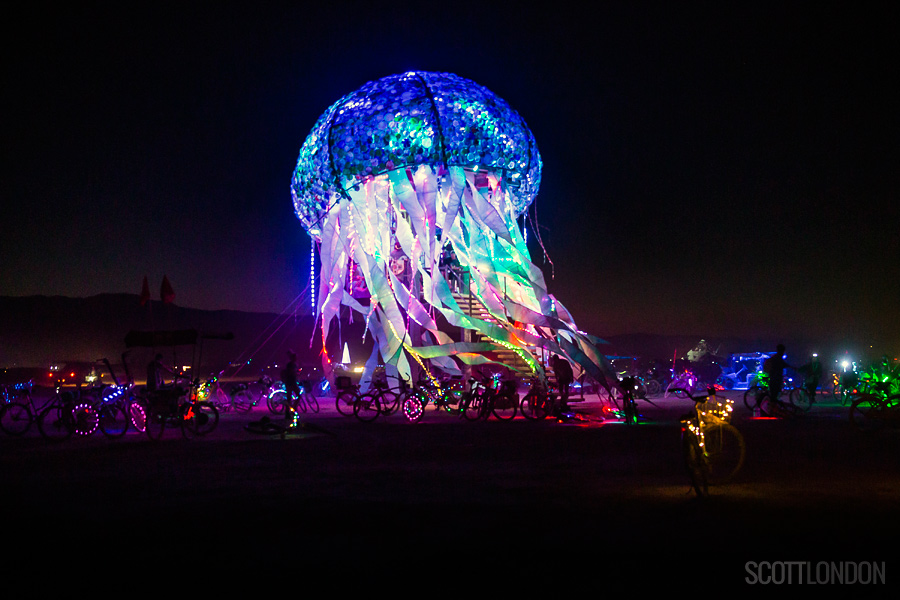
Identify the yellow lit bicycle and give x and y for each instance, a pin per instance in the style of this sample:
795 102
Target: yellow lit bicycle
713 448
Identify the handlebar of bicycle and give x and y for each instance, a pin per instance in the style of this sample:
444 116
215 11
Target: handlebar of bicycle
710 391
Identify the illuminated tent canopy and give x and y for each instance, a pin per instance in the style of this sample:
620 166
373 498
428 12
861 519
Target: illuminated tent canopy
411 186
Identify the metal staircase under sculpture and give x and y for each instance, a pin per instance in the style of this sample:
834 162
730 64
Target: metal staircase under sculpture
473 307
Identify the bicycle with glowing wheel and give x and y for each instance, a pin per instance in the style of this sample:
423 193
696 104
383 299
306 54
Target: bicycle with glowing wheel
65 415
712 448
451 397
278 400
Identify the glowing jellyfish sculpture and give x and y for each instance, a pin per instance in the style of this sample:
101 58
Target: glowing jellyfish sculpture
411 187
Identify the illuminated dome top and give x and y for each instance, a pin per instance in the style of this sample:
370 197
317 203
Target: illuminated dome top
437 119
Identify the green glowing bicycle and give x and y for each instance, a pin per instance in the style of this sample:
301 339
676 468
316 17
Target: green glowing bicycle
872 411
758 397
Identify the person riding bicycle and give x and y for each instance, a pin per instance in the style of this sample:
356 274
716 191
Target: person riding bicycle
774 367
886 371
291 387
812 372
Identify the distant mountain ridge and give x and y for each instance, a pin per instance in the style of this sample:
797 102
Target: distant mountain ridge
37 330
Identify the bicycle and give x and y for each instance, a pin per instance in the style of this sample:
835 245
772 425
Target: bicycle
835 386
653 385
305 402
114 415
712 448
240 397
629 406
137 406
278 400
66 414
538 402
347 394
802 398
211 391
610 401
308 396
110 402
15 415
686 380
778 406
381 401
19 416
244 399
754 395
846 387
871 411
492 397
276 397
181 408
451 397
111 415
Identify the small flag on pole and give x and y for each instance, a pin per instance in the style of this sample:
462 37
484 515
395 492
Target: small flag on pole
145 292
166 292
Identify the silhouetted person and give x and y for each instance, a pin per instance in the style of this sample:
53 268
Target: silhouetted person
158 390
291 387
155 369
812 375
564 377
886 372
774 367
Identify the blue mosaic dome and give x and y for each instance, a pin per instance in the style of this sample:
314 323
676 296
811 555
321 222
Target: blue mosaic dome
437 119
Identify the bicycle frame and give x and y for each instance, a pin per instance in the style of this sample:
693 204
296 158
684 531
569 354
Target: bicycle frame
484 398
368 406
180 409
67 420
709 415
703 418
686 380
449 397
629 406
539 402
18 401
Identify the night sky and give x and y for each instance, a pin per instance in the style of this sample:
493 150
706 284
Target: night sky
720 171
